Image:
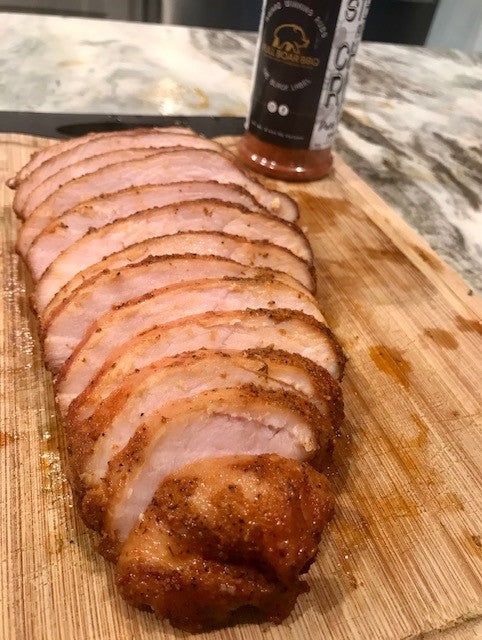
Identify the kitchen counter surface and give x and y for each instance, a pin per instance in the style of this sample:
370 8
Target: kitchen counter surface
412 125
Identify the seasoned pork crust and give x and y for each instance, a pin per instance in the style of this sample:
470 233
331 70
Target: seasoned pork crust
225 534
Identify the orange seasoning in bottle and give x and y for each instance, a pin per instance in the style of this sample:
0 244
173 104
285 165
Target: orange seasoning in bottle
304 54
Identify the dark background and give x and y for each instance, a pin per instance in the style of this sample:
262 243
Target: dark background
398 21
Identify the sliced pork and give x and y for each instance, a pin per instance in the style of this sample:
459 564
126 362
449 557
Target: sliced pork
291 331
183 376
31 199
213 423
215 243
120 325
162 168
45 154
199 215
78 161
197 381
287 370
74 224
71 319
199 576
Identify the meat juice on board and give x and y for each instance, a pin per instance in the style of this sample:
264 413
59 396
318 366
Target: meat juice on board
304 54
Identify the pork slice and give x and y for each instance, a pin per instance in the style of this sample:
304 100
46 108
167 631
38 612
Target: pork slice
30 227
43 155
70 321
250 544
121 324
215 423
97 440
198 215
282 369
91 156
291 331
32 198
98 212
255 253
164 167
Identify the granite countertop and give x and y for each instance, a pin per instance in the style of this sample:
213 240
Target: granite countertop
412 125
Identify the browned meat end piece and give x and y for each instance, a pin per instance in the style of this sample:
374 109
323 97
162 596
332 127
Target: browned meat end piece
224 534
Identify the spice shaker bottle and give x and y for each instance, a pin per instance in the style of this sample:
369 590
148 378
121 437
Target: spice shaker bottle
304 54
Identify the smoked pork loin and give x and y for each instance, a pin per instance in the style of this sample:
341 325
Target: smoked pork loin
196 379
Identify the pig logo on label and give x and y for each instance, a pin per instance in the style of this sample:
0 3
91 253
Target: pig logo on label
289 46
290 38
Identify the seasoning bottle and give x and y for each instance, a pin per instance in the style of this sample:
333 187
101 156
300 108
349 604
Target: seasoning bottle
304 54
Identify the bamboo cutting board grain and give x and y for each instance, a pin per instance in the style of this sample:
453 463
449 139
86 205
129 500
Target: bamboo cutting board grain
403 556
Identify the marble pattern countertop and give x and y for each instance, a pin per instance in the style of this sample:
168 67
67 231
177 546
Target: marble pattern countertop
412 125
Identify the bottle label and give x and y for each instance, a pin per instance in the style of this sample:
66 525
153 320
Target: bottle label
305 50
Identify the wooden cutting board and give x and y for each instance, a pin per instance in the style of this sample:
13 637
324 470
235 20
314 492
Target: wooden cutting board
403 556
